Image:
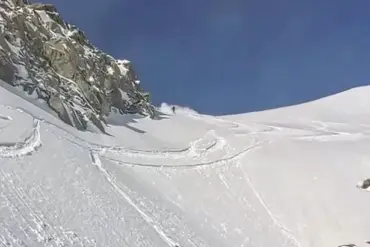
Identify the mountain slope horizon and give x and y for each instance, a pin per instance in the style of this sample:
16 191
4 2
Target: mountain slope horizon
87 160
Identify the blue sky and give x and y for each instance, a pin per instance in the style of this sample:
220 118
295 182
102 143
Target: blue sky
232 56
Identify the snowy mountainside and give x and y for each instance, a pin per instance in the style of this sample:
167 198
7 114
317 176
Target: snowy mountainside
187 179
353 102
44 58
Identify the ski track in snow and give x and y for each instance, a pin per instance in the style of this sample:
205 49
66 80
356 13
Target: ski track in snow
97 162
286 232
240 129
318 133
37 226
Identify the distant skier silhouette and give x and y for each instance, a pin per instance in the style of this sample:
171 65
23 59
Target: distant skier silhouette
173 109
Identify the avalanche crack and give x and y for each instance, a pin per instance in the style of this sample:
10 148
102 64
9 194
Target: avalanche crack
30 144
221 162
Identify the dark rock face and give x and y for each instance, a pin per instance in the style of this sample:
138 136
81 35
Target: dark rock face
54 60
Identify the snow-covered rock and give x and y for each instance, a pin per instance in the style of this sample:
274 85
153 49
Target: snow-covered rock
45 56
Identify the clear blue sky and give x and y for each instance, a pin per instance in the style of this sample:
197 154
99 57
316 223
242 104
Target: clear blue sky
233 56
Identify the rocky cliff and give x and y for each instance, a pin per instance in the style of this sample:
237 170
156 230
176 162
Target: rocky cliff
52 60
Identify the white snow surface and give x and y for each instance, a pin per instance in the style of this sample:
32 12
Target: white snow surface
284 177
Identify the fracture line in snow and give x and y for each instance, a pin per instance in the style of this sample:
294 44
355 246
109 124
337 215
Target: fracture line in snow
192 150
217 144
8 118
286 232
28 146
223 161
97 162
91 145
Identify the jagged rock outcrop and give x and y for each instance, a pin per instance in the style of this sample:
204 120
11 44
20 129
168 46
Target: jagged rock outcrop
54 61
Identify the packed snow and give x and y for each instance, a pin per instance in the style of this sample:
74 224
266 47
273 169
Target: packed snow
294 176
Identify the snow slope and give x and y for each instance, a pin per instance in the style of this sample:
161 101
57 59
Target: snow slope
285 177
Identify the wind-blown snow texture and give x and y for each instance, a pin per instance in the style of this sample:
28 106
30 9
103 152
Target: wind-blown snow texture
286 177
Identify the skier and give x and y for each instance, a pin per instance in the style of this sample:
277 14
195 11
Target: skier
173 109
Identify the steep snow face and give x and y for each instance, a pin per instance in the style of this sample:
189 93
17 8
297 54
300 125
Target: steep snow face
290 177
